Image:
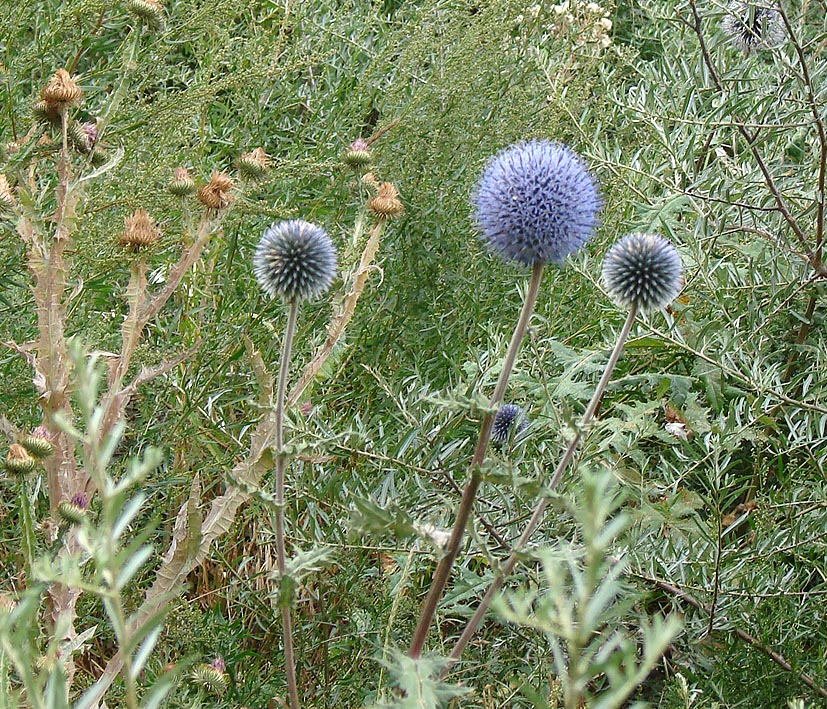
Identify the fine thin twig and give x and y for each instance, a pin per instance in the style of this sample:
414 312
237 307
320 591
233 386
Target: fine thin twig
540 509
287 624
776 657
443 569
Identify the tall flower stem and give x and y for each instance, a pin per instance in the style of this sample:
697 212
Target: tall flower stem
466 504
540 509
286 621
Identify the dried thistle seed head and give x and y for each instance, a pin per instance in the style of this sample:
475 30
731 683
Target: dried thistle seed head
74 511
358 155
61 91
139 231
536 203
295 260
181 183
386 204
509 420
39 443
18 462
7 198
254 165
149 12
642 270
217 193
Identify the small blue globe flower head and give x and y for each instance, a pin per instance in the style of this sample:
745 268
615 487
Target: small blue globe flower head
509 420
536 203
643 270
753 26
294 260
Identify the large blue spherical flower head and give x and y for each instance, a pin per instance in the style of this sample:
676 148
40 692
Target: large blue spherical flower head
294 260
536 202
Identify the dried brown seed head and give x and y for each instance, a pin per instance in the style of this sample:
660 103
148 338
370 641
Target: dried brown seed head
386 204
139 231
61 91
216 194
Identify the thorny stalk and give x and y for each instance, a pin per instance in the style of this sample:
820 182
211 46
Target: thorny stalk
443 570
540 509
287 624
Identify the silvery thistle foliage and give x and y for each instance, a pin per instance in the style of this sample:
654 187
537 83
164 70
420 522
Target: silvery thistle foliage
642 270
509 417
753 26
294 260
536 203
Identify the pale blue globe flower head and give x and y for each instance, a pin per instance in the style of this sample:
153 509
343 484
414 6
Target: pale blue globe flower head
643 270
536 203
295 260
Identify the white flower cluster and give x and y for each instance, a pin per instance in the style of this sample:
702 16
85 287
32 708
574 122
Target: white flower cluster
588 20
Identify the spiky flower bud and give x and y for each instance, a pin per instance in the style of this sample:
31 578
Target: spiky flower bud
358 155
294 260
509 420
753 26
642 270
139 231
210 678
536 203
74 510
79 137
18 462
149 12
216 194
39 443
254 165
99 156
61 91
45 112
386 203
7 199
181 183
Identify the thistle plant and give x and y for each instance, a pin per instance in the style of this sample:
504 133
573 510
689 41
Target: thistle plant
109 550
641 272
294 261
535 204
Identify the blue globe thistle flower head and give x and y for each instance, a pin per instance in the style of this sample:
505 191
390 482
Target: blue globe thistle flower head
295 260
509 420
536 203
643 270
